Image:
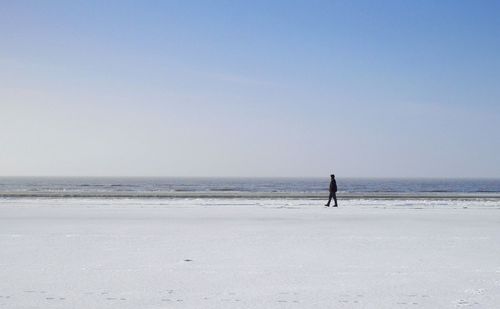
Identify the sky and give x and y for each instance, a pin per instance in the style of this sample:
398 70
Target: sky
250 88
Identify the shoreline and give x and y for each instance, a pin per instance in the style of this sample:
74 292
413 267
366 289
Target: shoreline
256 195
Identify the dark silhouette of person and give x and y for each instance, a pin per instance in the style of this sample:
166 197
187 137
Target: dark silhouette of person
333 192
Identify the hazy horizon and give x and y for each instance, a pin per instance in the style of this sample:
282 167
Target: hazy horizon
385 89
327 177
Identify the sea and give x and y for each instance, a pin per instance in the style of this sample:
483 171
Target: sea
174 187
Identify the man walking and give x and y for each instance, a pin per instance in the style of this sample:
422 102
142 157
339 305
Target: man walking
333 192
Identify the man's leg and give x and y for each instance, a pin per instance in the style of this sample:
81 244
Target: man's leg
329 199
335 199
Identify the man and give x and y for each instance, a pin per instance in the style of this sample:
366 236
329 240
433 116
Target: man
333 192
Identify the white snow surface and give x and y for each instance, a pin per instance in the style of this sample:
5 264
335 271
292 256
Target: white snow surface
225 253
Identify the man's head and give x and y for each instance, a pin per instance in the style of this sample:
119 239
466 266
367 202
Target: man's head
333 176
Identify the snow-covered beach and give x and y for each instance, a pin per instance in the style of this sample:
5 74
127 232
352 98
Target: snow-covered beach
239 253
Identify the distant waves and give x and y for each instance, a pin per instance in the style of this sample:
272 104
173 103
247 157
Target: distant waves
349 188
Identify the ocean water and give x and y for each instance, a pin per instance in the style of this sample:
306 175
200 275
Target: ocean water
11 187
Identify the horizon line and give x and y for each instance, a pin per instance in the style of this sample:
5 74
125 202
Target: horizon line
250 177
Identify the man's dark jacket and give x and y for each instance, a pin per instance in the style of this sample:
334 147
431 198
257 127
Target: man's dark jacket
333 186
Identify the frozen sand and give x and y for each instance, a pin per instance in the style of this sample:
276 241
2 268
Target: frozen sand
278 254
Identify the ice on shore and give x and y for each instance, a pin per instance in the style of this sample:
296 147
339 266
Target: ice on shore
220 253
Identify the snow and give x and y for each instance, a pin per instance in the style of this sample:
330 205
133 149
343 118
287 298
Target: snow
225 253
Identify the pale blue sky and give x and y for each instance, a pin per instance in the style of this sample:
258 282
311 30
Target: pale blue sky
250 88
